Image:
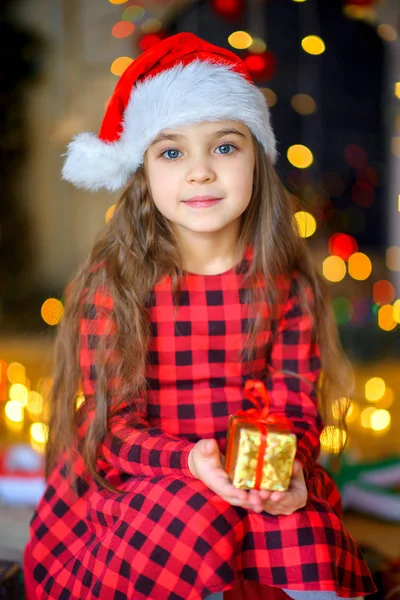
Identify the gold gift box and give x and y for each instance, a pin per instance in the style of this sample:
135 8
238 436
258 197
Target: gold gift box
243 455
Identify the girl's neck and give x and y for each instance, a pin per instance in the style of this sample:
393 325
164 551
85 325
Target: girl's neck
208 254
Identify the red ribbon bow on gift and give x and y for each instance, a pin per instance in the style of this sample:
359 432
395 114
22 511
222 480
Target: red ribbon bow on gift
261 418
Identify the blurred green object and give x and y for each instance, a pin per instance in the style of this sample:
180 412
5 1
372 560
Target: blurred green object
372 488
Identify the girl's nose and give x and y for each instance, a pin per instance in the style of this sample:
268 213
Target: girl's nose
201 171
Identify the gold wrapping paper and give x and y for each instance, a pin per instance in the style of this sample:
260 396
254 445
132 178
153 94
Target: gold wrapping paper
278 457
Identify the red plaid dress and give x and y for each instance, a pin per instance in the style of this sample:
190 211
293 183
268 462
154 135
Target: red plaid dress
170 537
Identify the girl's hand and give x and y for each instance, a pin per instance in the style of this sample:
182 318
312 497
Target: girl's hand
205 463
282 503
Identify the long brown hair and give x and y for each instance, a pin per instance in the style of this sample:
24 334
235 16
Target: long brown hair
135 250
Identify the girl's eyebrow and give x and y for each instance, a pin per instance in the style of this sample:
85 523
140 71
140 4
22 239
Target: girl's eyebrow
176 137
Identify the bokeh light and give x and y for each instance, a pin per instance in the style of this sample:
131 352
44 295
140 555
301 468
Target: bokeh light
334 268
19 393
397 89
333 439
365 417
35 404
300 156
360 266
374 389
341 407
240 40
353 413
118 1
120 65
313 44
52 311
16 373
343 245
393 258
122 29
386 317
383 292
396 310
110 213
39 432
380 420
14 411
306 223
343 310
133 13
258 46
304 104
387 32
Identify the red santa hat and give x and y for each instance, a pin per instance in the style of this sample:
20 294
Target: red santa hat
180 81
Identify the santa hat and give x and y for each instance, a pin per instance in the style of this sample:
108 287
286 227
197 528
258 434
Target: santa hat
181 80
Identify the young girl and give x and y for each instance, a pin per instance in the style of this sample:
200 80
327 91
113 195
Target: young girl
198 283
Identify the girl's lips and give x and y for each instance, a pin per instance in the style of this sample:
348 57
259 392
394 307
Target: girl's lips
203 203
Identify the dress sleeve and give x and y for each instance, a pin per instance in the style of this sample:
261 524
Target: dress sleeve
295 350
130 445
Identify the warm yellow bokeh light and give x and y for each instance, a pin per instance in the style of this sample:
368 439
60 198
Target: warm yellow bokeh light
300 156
306 223
35 403
396 310
16 373
386 317
39 432
312 44
303 104
52 311
241 40
380 420
374 389
120 65
19 393
365 417
397 89
14 411
334 268
353 413
387 32
333 439
341 407
110 213
118 1
360 266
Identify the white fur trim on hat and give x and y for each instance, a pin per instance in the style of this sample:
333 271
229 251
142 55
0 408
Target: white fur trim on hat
183 95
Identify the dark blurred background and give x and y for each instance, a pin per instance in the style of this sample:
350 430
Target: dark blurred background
330 70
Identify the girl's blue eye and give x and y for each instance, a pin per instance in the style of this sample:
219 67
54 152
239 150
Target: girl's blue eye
169 152
227 146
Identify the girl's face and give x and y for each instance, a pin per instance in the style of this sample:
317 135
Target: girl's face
200 161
